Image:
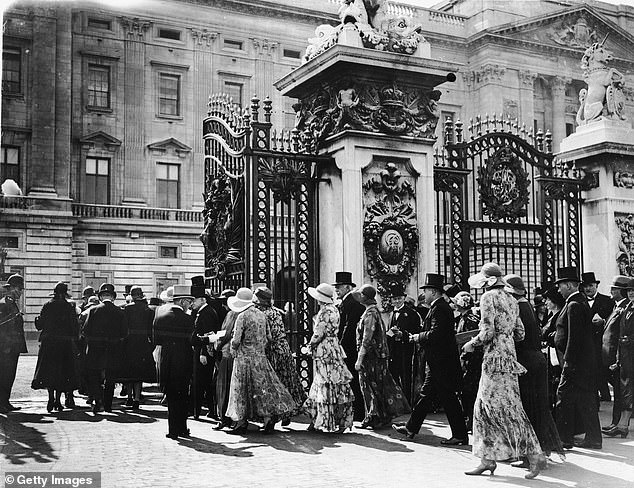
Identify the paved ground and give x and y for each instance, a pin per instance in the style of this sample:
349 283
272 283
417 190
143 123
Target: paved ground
130 450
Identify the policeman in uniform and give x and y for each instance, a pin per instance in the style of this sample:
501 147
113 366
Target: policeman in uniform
12 341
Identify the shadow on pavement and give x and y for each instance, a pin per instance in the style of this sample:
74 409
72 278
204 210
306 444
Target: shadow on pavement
21 444
203 445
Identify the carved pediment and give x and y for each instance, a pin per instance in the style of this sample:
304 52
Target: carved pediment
576 28
100 138
171 144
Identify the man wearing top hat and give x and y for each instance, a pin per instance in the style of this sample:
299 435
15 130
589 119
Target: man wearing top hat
173 329
87 292
205 321
442 381
12 341
601 307
350 311
574 338
610 343
104 331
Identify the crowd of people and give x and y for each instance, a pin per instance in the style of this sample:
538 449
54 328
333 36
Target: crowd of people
523 378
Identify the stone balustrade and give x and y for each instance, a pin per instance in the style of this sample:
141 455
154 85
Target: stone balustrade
84 210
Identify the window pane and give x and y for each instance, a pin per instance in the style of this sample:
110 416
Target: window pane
10 164
169 94
161 171
91 185
172 194
101 190
98 86
161 193
103 167
11 70
234 90
91 166
12 155
172 172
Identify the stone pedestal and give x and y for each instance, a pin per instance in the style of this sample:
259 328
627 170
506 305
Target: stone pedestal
605 151
375 113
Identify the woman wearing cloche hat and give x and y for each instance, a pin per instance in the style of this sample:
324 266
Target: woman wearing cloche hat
256 392
330 399
501 429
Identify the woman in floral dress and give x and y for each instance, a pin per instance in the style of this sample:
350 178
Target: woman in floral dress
383 398
278 352
501 429
330 400
255 393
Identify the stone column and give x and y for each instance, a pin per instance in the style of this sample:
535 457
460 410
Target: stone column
558 89
63 74
134 114
527 113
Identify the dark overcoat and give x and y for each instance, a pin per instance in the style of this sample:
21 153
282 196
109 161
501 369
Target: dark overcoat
611 329
350 312
173 330
625 357
104 331
138 362
12 339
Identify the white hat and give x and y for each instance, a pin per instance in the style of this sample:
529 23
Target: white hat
167 295
242 300
323 293
490 275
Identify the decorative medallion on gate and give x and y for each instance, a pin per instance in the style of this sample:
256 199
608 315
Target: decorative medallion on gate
224 223
390 237
503 186
283 176
625 254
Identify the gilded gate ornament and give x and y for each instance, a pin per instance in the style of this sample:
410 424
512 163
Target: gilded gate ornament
625 254
390 236
503 186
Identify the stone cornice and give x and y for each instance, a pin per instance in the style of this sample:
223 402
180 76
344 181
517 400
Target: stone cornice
484 74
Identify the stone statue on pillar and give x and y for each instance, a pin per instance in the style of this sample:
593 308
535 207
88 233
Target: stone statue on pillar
604 97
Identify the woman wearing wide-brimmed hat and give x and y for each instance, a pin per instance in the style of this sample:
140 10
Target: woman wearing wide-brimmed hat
256 393
278 352
330 402
501 429
56 369
383 398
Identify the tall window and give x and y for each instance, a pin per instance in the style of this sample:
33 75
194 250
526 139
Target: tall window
167 187
169 94
98 86
97 181
10 164
234 90
11 69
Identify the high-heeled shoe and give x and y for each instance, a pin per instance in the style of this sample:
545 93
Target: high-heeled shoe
58 406
482 468
616 431
50 406
238 430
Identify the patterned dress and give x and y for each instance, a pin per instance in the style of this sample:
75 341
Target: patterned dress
382 397
279 355
255 393
501 429
330 400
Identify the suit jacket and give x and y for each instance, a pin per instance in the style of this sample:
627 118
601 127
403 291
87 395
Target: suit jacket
205 321
439 341
104 331
173 330
574 338
610 338
602 305
11 327
407 320
350 312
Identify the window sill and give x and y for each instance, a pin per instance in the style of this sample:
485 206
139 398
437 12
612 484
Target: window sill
100 110
169 117
14 96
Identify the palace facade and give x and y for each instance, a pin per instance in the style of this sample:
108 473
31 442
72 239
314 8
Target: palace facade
102 110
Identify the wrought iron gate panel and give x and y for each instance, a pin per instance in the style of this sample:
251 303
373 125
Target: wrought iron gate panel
272 176
502 196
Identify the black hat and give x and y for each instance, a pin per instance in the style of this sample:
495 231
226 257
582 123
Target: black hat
366 294
136 292
587 278
89 291
107 288
343 278
433 280
61 288
554 296
452 290
127 289
198 280
569 273
16 281
198 286
156 301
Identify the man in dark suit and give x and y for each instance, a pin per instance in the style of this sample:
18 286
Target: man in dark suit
574 338
601 307
610 344
350 312
173 329
443 366
205 321
104 331
405 321
12 341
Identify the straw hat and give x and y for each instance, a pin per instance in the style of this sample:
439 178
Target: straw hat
323 293
241 301
490 275
167 295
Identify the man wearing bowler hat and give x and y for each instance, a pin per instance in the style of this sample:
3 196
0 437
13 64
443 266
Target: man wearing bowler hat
12 341
610 343
350 311
601 307
444 373
574 338
104 331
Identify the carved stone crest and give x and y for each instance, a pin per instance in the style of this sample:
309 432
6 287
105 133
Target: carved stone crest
503 186
281 175
579 34
625 254
224 221
390 236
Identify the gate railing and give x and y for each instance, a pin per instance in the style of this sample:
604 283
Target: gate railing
500 189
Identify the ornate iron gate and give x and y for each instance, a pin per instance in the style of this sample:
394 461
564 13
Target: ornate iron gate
260 201
502 196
